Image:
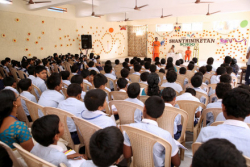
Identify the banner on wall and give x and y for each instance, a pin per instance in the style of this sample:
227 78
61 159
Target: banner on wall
191 42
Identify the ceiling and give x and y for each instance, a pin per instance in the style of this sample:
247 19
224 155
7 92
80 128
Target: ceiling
115 9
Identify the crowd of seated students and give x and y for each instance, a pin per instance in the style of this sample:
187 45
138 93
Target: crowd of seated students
91 105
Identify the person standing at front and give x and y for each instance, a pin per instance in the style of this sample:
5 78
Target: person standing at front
156 51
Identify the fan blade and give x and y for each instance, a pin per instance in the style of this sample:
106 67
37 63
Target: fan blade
98 15
142 6
167 15
42 2
198 1
215 12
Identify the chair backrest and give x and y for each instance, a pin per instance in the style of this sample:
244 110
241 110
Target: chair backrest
143 98
189 74
143 85
190 107
12 156
114 83
22 74
206 78
205 88
108 94
195 147
117 95
221 122
247 161
3 73
212 97
33 109
213 86
118 73
21 116
188 85
64 90
142 144
181 79
86 129
166 121
63 118
86 86
56 69
214 111
134 78
125 110
31 159
200 95
14 74
34 87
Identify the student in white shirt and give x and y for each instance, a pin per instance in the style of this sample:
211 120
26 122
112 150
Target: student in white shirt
190 66
122 84
216 78
144 77
235 107
169 97
190 95
46 65
74 69
31 71
209 69
87 78
183 71
210 62
25 66
247 76
137 68
196 82
47 131
112 138
100 82
218 153
41 75
221 90
171 78
154 108
59 63
125 74
163 62
5 66
158 66
91 66
65 77
74 106
25 86
78 79
133 94
108 73
147 67
52 96
178 63
95 102
10 83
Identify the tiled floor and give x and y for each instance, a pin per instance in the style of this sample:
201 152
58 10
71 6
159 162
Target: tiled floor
188 153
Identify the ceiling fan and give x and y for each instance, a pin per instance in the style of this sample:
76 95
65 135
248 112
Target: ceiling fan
93 13
30 2
211 13
199 1
126 19
177 23
164 16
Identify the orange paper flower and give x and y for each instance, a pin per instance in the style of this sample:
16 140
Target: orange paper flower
27 39
29 54
55 46
36 42
26 49
14 40
60 29
3 35
42 21
29 33
39 37
43 32
41 48
17 20
61 45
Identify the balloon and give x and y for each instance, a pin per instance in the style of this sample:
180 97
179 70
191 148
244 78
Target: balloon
244 23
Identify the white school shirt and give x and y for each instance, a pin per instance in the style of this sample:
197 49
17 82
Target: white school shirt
221 117
94 68
13 89
86 81
83 95
98 118
237 132
40 83
32 78
215 79
158 150
50 98
145 82
111 76
66 82
147 71
202 99
53 154
210 116
138 113
158 68
47 69
28 96
61 68
173 85
122 90
73 106
177 120
6 68
137 73
189 96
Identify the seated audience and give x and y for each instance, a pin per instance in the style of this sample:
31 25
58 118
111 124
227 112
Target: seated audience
10 83
153 86
31 71
163 62
216 78
41 75
210 62
74 69
137 68
147 66
171 78
91 66
47 131
122 84
125 74
218 153
108 74
100 82
12 130
65 77
144 77
154 107
78 79
95 102
235 107
87 78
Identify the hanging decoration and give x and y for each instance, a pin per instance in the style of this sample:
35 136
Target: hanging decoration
111 30
3 35
244 23
177 28
123 27
225 41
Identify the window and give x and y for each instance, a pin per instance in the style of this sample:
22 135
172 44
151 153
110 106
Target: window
164 27
58 9
192 26
226 25
6 1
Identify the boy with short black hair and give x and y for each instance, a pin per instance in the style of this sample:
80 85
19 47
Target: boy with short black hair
203 70
133 94
144 77
218 153
226 78
171 77
108 73
209 68
47 131
183 70
86 77
152 68
75 106
177 63
10 83
137 68
163 62
154 108
26 86
147 66
122 84
216 78
91 66
95 102
235 107
52 96
125 74
74 69
196 82
65 77
5 66
112 139
117 62
190 66
78 79
31 71
41 75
